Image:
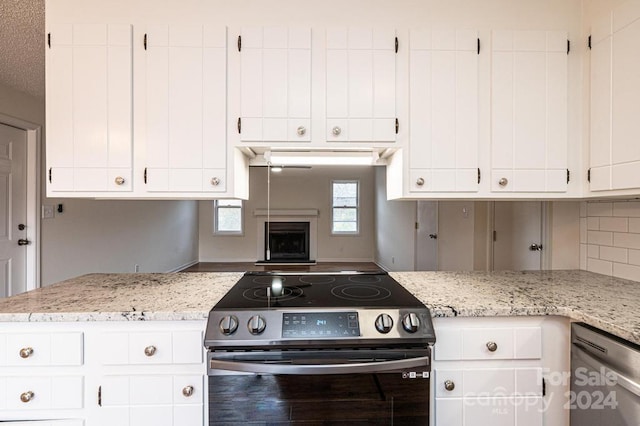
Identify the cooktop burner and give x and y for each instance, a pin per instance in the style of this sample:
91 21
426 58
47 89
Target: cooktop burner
361 292
260 290
262 295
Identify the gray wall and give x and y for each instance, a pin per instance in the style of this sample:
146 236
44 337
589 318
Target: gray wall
113 236
107 236
395 232
295 189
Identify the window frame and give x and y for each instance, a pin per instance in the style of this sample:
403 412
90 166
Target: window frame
357 207
216 207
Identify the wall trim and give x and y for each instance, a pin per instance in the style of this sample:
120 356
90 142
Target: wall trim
286 212
185 266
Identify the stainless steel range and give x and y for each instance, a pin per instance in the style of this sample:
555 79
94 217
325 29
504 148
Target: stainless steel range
312 348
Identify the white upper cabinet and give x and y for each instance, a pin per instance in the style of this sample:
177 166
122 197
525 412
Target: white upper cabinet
615 93
361 85
529 111
89 108
186 108
443 99
275 84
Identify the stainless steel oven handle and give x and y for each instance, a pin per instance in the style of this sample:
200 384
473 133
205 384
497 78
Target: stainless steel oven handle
621 379
313 369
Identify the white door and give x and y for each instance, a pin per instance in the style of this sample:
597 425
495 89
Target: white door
625 86
13 210
186 108
89 108
529 111
275 88
361 85
517 231
456 235
443 80
427 236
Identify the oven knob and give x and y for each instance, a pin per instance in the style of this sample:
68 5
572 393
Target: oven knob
384 323
410 322
228 324
256 324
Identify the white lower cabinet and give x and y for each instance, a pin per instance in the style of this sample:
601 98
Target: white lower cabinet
495 371
503 396
42 374
149 373
153 400
111 373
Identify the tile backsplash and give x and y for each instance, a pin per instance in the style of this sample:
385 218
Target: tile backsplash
610 238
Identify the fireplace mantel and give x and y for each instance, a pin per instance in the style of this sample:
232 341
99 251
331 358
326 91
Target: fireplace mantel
287 212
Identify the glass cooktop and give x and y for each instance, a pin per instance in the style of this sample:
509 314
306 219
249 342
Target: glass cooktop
257 290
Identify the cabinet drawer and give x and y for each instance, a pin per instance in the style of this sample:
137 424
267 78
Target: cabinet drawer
488 343
179 415
43 349
41 393
147 390
488 382
511 411
152 348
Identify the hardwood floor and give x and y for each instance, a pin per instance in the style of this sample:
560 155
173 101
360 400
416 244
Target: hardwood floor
249 266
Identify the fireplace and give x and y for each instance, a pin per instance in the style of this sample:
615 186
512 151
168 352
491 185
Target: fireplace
288 241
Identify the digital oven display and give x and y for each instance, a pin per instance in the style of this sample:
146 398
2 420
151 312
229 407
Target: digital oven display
320 324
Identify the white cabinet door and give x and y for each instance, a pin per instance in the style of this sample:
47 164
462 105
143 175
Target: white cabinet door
151 400
443 140
361 85
275 84
511 411
89 108
186 109
529 111
615 91
600 141
625 131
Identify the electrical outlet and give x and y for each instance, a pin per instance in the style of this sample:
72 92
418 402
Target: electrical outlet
47 211
136 268
393 260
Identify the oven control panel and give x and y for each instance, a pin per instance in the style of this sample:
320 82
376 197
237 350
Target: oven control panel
282 327
320 324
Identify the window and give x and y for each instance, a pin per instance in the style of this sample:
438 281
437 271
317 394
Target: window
227 217
344 211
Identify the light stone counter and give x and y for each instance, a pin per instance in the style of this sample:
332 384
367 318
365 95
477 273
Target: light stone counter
610 304
122 297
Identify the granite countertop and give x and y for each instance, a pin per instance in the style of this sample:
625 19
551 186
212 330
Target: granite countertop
611 304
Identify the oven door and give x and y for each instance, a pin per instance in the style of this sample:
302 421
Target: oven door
319 387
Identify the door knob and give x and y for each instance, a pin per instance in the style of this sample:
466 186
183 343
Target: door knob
433 236
150 350
21 227
535 247
26 352
23 242
26 396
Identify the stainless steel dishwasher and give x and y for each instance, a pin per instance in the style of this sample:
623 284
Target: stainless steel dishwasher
605 380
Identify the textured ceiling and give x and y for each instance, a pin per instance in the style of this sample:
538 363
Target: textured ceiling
22 45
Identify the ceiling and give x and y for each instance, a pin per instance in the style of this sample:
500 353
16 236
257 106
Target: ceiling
22 45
